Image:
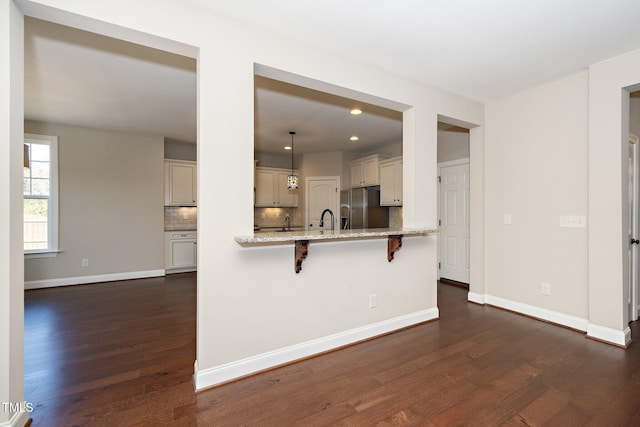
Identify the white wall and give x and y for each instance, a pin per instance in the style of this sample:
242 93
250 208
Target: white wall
533 161
283 161
322 163
250 302
452 145
536 157
608 204
179 150
11 263
111 210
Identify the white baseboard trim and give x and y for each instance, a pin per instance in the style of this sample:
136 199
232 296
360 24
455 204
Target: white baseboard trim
180 270
233 370
533 311
477 298
81 280
19 419
614 336
601 333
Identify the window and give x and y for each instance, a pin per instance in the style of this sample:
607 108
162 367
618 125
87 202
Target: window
40 189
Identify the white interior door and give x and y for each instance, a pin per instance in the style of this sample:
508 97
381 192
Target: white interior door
633 228
322 193
454 221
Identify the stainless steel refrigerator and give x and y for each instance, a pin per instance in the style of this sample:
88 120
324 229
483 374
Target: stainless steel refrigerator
360 208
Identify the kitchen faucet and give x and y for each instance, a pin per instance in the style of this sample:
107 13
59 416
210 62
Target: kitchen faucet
322 218
287 223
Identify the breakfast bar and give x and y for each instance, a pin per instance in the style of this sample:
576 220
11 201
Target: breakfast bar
301 239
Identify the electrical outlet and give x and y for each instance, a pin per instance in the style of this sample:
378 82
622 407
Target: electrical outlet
85 262
545 288
578 221
507 219
373 301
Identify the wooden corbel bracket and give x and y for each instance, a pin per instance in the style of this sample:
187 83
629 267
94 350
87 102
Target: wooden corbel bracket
302 249
394 243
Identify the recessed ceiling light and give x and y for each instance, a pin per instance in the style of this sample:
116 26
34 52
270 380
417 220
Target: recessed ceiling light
288 147
354 138
356 111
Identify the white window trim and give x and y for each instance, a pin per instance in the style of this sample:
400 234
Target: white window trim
53 224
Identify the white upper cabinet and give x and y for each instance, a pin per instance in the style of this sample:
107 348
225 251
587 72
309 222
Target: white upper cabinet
180 180
391 182
265 186
286 197
271 189
364 171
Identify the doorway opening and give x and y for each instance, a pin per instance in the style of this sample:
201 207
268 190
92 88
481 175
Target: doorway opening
633 298
89 88
118 109
454 204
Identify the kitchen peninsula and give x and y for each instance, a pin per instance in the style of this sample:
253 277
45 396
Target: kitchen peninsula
301 239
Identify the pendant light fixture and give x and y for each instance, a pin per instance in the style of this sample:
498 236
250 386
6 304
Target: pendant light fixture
292 180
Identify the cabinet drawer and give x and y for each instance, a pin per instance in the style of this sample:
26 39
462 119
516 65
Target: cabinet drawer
180 235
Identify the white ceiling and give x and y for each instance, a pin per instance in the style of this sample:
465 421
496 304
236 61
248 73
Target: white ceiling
322 122
84 79
482 50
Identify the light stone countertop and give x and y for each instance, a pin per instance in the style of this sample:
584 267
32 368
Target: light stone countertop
293 236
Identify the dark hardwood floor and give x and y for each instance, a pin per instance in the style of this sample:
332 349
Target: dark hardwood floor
121 354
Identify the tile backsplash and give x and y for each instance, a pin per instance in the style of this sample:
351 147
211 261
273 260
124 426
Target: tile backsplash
395 217
180 218
274 217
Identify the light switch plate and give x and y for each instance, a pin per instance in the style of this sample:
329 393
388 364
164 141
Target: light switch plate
507 219
373 301
545 288
573 221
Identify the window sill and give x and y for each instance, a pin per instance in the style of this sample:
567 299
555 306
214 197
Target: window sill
41 254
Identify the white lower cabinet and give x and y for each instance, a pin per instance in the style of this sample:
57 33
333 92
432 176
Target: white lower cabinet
181 251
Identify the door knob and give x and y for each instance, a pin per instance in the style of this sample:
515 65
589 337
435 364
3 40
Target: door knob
634 241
